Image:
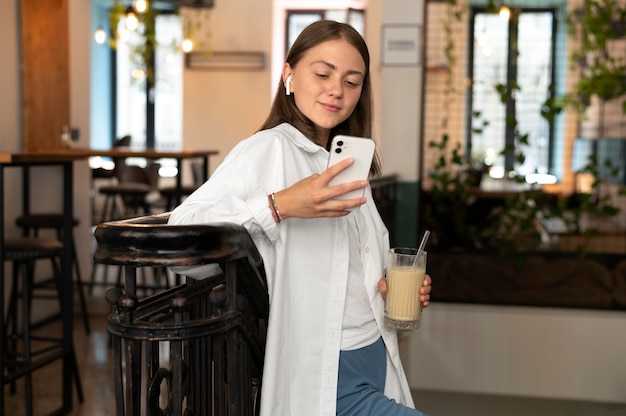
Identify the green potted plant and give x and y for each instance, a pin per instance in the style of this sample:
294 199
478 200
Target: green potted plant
599 27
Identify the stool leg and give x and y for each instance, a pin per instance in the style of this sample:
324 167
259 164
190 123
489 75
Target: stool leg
58 280
79 385
79 281
81 291
27 269
10 327
23 287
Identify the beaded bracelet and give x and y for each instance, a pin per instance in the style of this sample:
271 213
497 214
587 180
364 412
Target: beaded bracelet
275 207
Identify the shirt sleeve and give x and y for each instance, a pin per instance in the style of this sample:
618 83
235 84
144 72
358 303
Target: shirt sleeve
232 194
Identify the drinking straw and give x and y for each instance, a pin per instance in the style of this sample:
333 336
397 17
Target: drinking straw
420 250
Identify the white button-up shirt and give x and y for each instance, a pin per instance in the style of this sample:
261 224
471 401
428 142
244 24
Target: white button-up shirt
306 262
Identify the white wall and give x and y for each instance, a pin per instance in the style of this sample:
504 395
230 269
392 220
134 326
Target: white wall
519 351
222 108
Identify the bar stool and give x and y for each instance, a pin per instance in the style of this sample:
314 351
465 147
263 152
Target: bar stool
23 253
35 222
134 183
169 193
132 195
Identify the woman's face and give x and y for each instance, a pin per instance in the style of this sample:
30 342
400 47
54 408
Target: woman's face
327 83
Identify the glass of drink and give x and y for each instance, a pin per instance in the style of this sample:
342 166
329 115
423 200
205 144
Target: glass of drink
405 276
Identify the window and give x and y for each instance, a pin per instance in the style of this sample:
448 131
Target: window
149 94
512 67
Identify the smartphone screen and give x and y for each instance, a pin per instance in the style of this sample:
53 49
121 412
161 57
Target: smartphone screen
359 148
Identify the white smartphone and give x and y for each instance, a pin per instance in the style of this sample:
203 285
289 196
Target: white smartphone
359 148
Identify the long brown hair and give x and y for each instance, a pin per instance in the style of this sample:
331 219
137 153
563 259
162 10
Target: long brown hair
284 109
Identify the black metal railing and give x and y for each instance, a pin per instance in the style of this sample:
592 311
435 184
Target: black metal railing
197 348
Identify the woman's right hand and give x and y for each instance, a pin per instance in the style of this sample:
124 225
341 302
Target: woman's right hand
424 290
313 198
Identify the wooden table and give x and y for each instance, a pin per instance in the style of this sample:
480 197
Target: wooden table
178 155
66 162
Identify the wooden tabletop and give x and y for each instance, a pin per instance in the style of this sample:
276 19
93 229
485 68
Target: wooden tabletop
39 157
128 152
70 154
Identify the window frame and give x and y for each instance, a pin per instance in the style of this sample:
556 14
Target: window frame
511 77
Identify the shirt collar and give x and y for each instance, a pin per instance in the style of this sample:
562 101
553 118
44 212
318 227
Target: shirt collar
299 139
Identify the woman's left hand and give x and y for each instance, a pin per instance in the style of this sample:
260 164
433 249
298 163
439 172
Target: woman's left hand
424 290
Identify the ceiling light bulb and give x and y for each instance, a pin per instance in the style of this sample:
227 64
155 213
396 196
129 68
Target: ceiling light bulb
100 36
504 13
131 22
141 6
187 45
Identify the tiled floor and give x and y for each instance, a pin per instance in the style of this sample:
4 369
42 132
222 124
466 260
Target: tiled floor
94 360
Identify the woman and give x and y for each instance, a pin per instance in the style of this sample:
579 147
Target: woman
324 262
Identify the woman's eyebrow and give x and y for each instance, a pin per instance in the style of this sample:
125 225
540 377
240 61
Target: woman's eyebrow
334 67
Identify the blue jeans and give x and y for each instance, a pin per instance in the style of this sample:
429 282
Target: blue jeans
361 384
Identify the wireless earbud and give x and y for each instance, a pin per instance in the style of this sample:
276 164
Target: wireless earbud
288 85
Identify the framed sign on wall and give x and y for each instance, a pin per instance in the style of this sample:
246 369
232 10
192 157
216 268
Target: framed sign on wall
400 45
